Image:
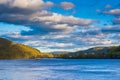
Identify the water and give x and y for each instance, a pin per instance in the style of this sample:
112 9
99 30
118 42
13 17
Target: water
60 69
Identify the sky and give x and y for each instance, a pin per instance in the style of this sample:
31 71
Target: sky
61 25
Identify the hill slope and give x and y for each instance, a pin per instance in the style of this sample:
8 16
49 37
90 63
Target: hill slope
112 52
95 50
10 50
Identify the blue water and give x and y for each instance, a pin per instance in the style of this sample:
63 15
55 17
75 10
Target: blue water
60 69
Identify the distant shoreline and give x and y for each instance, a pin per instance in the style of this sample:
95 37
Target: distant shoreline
10 50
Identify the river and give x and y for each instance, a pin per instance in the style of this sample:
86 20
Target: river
60 69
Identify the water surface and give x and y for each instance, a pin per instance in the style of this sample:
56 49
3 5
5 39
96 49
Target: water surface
60 69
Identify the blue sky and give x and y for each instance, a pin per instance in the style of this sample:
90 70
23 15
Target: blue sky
61 25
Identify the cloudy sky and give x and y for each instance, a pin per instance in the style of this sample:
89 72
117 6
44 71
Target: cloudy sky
61 25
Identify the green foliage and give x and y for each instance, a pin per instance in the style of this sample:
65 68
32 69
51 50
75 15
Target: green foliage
114 49
9 50
18 51
62 55
45 55
114 52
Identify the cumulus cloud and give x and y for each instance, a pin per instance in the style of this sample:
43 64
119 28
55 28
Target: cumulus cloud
33 14
22 7
17 37
115 13
26 4
58 18
67 5
47 44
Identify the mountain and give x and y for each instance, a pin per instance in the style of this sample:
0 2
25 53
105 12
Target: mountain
10 50
112 52
95 50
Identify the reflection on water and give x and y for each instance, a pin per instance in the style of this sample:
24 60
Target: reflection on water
60 69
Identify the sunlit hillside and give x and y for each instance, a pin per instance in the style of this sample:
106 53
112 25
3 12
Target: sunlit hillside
10 50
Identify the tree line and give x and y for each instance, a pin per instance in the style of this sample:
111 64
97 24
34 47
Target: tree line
112 53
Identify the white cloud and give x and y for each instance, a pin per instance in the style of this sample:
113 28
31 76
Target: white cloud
4 1
108 42
46 44
67 5
17 35
33 13
58 18
113 12
27 4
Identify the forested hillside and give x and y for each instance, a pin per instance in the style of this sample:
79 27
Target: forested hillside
10 50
